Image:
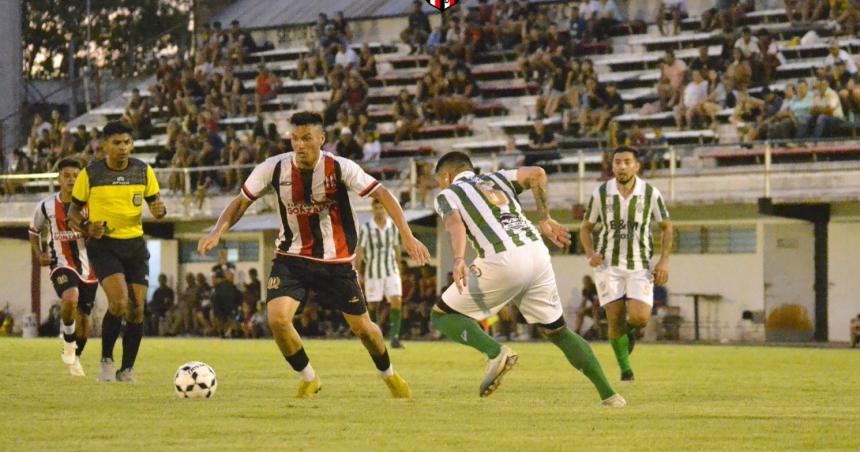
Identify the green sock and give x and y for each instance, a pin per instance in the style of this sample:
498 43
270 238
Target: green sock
579 354
394 330
619 346
464 330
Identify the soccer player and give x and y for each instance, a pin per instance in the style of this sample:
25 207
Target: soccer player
114 189
621 260
377 258
513 265
71 273
316 244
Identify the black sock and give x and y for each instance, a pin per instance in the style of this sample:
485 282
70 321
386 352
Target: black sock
382 361
82 342
69 337
111 325
131 344
298 360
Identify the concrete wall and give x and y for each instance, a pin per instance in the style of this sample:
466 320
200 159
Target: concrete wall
844 264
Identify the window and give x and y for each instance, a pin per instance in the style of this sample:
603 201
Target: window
237 251
713 240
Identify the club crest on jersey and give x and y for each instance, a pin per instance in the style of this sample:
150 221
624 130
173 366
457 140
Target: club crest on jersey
274 283
494 196
441 5
137 199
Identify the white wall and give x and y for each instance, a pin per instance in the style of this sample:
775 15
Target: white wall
737 277
843 269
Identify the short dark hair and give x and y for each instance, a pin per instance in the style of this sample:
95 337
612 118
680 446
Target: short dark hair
623 149
68 163
454 159
304 118
115 128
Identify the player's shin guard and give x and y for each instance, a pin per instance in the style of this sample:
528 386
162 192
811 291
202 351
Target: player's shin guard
394 330
111 325
131 344
580 355
464 330
300 362
622 353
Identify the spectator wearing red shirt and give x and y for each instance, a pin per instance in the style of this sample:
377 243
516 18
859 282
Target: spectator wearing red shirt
266 88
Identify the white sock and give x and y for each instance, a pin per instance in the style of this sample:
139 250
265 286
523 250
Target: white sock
67 329
308 374
387 372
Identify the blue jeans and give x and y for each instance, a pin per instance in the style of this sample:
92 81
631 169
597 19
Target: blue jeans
829 125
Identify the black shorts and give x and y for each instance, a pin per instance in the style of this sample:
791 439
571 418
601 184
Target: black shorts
66 278
336 285
127 256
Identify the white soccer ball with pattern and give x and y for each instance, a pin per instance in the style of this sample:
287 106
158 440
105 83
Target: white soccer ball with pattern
195 380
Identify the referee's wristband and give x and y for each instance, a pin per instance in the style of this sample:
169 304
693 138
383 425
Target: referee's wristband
84 224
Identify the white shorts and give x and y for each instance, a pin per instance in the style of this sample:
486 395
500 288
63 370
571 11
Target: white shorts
522 275
375 289
614 283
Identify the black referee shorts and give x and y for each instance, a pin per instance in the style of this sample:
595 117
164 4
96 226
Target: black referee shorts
336 285
110 256
65 278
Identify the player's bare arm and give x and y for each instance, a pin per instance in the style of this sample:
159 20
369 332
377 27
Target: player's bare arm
36 246
661 270
78 223
534 178
585 230
414 247
231 214
457 231
157 208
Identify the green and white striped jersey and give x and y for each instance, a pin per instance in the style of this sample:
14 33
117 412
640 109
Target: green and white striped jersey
490 210
625 240
379 249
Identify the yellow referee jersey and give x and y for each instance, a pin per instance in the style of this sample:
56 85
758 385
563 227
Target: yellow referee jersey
116 197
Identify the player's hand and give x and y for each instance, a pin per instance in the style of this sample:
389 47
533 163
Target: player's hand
417 251
95 230
207 243
595 260
460 271
661 273
45 259
157 208
556 233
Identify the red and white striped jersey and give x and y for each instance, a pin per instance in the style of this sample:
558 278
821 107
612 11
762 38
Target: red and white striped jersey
66 247
317 220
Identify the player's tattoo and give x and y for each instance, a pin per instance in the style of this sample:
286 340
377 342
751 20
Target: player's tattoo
540 194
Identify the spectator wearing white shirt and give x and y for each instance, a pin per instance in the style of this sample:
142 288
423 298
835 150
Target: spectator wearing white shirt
607 17
346 57
372 147
838 54
693 101
748 44
827 111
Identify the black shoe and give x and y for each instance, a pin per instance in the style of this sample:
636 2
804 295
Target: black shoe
395 343
631 341
627 376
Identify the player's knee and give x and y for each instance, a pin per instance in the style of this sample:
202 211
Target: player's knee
279 321
118 306
637 321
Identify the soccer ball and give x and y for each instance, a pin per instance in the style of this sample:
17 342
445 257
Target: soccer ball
195 380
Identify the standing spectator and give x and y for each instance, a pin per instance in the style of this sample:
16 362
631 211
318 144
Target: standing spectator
674 70
161 303
827 111
204 307
407 118
342 27
226 299
254 288
223 265
589 307
347 147
266 88
771 57
416 33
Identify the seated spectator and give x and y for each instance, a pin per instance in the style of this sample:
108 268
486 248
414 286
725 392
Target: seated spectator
355 95
692 106
705 62
417 30
782 125
739 71
607 17
771 57
407 118
372 148
266 88
827 111
673 10
161 303
590 12
345 57
347 147
577 26
836 54
542 145
773 105
674 70
716 99
721 16
341 25
594 108
747 110
367 63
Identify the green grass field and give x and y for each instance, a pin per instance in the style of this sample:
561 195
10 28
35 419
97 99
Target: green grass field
685 398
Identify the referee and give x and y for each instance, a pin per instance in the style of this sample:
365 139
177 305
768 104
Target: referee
114 190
